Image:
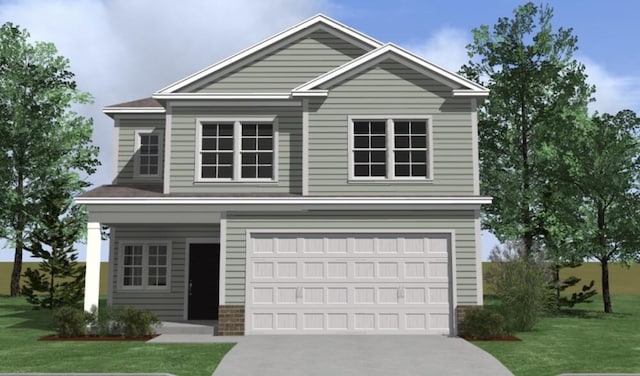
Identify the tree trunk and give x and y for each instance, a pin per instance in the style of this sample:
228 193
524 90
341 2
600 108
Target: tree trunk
606 296
557 278
17 270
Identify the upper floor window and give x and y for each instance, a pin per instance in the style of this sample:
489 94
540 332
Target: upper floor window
148 153
144 265
395 148
236 150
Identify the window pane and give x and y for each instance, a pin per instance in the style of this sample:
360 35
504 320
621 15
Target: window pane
249 171
265 172
208 171
208 144
153 170
419 170
401 127
226 144
361 156
378 156
361 127
153 161
209 129
418 142
225 158
153 149
248 144
225 172
144 149
144 160
378 170
378 141
248 129
162 260
419 156
361 142
265 144
361 170
402 156
265 130
265 158
153 139
249 158
402 142
378 127
226 130
418 127
208 158
402 170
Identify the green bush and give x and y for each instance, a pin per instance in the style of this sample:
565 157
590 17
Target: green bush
479 323
70 321
104 321
137 322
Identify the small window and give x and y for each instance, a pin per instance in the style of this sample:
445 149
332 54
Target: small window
145 266
149 154
238 150
390 148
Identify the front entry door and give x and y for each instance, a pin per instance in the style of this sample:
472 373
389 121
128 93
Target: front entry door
204 279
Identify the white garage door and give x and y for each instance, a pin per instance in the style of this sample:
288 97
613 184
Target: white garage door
347 283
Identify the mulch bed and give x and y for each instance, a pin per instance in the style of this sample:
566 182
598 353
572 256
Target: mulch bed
97 338
501 338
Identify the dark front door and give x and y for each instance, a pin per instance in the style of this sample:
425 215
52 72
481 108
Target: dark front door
204 277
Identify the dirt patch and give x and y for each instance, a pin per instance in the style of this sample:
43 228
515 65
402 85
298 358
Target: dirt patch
97 338
501 338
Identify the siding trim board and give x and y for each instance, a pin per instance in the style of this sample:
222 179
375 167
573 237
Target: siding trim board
166 180
305 147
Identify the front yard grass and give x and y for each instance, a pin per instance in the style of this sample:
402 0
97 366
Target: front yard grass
582 340
20 350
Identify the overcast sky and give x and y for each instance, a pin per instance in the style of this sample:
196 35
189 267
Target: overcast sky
122 50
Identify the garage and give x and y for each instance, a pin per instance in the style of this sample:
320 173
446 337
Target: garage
348 282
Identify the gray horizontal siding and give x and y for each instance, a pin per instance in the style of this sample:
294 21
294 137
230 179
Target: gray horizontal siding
460 222
126 149
390 89
183 146
168 305
288 67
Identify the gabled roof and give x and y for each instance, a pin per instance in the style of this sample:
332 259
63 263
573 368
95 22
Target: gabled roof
460 85
319 21
138 106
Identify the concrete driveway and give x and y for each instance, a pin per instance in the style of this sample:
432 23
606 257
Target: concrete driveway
357 355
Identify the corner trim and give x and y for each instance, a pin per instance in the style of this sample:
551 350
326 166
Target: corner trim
305 147
166 182
475 147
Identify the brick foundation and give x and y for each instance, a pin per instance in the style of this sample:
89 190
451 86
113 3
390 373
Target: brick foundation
231 320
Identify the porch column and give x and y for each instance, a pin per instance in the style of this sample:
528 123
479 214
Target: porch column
92 274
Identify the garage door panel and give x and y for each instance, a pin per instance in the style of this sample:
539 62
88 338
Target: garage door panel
340 283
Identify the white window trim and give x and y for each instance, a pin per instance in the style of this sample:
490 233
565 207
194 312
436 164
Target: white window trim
237 144
145 265
136 152
390 177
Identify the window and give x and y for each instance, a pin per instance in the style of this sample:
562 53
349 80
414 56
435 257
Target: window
236 150
395 148
145 266
148 154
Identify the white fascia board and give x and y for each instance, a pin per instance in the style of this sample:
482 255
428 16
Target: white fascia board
309 93
474 200
133 110
405 56
218 96
470 93
315 20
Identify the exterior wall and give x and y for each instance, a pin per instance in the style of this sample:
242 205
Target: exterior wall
168 305
461 222
183 150
126 148
390 89
288 67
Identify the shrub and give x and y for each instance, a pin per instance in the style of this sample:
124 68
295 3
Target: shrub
104 321
137 322
520 283
479 323
70 321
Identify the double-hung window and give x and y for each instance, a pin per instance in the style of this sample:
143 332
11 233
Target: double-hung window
148 159
236 150
390 148
144 266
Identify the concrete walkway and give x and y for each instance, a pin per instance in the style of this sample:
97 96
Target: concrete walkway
357 355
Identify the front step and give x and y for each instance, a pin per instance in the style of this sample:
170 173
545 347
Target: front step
188 327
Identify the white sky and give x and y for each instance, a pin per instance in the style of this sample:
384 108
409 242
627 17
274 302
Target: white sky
122 50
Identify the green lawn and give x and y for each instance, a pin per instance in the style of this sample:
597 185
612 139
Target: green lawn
583 341
20 350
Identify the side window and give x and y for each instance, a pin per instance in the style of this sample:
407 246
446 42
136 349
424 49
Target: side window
148 154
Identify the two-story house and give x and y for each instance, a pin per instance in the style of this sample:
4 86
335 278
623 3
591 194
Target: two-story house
317 182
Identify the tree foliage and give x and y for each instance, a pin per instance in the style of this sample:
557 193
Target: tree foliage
537 89
40 135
